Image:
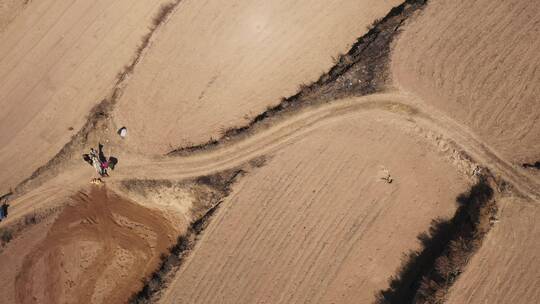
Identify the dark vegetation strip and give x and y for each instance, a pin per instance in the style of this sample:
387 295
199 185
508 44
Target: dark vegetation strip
427 274
100 112
363 70
172 261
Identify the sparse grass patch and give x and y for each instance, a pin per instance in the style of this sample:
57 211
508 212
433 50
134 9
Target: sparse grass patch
30 219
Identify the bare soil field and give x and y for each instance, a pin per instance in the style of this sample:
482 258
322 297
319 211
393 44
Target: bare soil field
57 60
478 62
216 66
260 165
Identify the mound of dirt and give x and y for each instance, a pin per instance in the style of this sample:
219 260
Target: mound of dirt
317 224
97 250
478 61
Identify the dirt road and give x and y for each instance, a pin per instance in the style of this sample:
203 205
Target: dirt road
454 142
312 225
410 112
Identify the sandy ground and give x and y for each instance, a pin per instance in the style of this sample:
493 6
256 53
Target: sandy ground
478 61
216 65
95 251
505 270
59 58
312 226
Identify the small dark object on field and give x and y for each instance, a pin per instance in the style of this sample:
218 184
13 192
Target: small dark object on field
4 211
536 165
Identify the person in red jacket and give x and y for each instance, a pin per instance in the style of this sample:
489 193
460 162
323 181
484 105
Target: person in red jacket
104 166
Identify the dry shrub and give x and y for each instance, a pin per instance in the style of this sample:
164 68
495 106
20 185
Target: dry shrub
30 219
374 24
164 11
168 262
6 236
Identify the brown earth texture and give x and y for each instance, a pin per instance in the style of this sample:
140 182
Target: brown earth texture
276 151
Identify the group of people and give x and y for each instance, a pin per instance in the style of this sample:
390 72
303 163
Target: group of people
98 160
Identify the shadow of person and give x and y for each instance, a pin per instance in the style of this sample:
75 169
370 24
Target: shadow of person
86 158
536 165
101 156
113 161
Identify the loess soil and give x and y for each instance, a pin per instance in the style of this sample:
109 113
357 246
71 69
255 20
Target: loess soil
96 250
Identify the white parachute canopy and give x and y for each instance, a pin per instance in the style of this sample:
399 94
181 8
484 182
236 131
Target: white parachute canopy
122 132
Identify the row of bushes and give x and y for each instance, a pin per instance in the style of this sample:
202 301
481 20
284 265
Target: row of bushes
427 274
